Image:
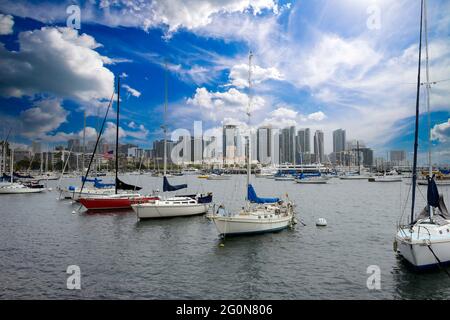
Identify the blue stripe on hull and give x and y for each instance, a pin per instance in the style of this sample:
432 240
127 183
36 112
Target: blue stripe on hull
252 232
427 267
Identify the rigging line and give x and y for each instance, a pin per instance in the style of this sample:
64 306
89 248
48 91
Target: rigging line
441 266
96 144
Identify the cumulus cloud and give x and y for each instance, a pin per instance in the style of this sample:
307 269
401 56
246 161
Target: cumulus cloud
239 75
58 61
317 116
441 132
218 105
6 24
46 115
131 91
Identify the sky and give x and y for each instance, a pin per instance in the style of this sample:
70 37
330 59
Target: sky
325 65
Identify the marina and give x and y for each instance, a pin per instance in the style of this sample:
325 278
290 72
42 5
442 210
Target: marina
123 258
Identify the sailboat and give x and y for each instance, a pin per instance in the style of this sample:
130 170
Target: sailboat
122 200
424 242
18 188
175 206
358 175
259 215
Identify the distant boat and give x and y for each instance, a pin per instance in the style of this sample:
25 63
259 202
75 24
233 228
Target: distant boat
424 242
219 177
312 180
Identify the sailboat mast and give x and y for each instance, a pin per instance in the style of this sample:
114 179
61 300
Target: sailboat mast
84 139
117 133
428 88
248 117
416 133
164 125
357 156
12 165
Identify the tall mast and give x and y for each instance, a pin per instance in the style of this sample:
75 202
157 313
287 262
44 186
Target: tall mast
416 133
84 138
117 132
357 156
12 165
428 88
250 56
164 124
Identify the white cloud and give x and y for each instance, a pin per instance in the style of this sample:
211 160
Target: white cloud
239 75
6 24
58 61
317 116
283 112
441 132
131 91
218 105
45 116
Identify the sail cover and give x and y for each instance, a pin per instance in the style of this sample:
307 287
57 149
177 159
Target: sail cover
252 197
432 193
125 186
101 185
168 187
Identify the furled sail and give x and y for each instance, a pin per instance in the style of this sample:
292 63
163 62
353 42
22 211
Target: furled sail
252 197
168 187
125 186
101 185
432 193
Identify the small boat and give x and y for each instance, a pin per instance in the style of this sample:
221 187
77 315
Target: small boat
203 176
219 177
386 178
284 178
18 188
312 180
170 207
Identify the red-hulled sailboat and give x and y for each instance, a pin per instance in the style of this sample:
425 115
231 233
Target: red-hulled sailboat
122 200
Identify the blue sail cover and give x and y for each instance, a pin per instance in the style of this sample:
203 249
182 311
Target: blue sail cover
100 185
84 179
252 197
168 187
307 175
432 193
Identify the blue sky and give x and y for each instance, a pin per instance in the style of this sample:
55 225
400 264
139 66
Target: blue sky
318 64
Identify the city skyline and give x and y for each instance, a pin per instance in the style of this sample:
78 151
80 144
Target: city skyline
300 85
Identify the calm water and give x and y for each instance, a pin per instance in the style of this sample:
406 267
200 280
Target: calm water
180 258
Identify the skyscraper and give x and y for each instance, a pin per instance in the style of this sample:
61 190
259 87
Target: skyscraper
36 147
287 145
338 140
303 146
264 144
74 145
230 136
318 146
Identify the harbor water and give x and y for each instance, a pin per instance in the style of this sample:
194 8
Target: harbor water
181 258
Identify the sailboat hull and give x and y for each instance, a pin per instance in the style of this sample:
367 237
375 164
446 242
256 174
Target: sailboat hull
427 247
156 210
238 225
108 203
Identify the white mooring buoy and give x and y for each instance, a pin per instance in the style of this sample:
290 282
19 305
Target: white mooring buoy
321 222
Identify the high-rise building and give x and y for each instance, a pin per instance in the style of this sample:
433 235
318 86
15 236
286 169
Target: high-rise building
318 146
158 149
397 156
303 146
264 145
230 143
74 145
197 146
287 145
339 140
36 147
367 157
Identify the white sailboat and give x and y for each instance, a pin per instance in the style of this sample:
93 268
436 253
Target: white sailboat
260 215
425 241
174 206
18 188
